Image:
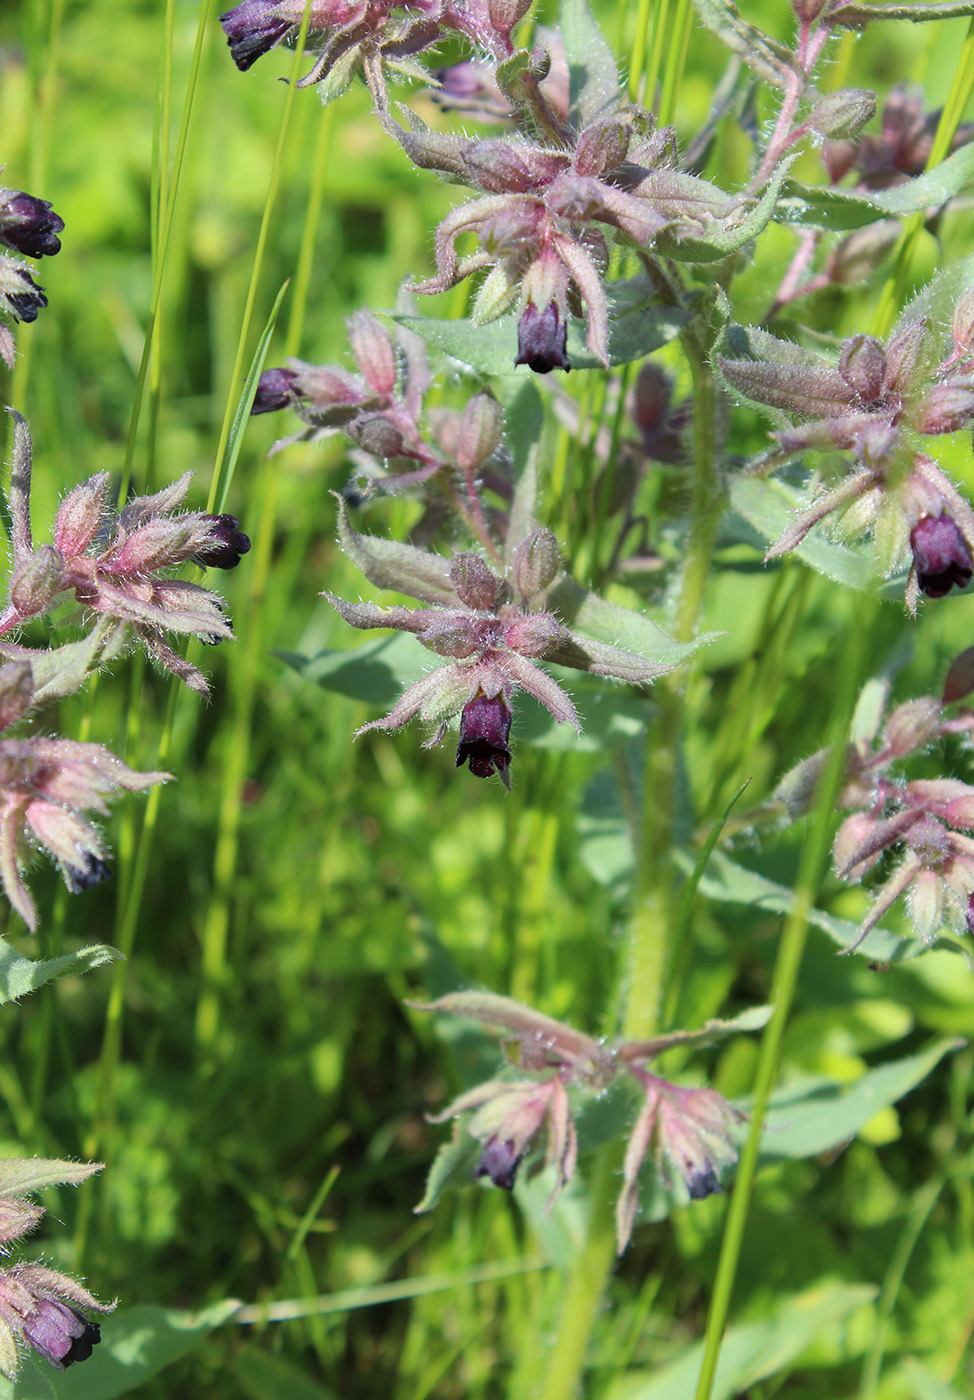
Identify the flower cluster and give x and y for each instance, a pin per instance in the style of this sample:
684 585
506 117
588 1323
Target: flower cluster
371 37
29 226
927 821
113 562
41 1309
687 1131
493 627
876 404
380 410
547 209
46 787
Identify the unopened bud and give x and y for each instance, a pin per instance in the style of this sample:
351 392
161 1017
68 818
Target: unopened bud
946 408
506 14
534 635
911 726
962 323
862 365
80 515
274 390
375 435
494 295
479 433
474 582
843 114
37 582
536 563
600 148
373 350
960 677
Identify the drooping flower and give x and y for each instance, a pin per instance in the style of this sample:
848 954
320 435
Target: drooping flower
117 563
46 788
941 557
493 628
29 225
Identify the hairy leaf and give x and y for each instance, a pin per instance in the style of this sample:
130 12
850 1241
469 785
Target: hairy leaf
593 74
19 975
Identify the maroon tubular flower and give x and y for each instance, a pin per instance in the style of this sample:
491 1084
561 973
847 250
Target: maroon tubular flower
541 339
499 1160
252 29
940 555
273 390
60 1334
226 544
29 225
20 296
485 727
87 876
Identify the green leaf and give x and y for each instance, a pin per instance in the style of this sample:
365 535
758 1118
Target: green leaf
263 1375
730 883
492 349
839 211
377 672
395 565
607 622
770 60
19 975
750 1352
523 420
135 1346
730 233
21 1175
608 717
770 506
814 1115
456 1158
593 75
858 16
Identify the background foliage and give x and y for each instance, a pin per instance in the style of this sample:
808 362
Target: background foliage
249 1074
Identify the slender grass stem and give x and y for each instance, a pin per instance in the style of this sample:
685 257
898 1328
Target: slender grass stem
787 965
961 89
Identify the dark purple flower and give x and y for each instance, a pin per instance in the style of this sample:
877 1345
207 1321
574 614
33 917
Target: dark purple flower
703 1182
499 1160
22 304
541 339
251 29
273 390
85 877
226 545
30 225
485 727
60 1334
940 556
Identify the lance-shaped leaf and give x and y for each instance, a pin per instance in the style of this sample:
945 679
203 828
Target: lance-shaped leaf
593 73
21 1175
736 229
710 1033
770 60
858 16
19 975
837 211
456 1158
618 627
401 567
528 1025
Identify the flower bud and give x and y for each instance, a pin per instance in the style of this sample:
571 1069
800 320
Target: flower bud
251 29
911 726
542 339
536 563
862 365
485 728
479 433
17 1217
962 323
851 837
601 147
946 408
960 677
80 516
940 555
275 389
37 582
535 635
474 582
374 351
506 14
376 435
29 225
843 114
